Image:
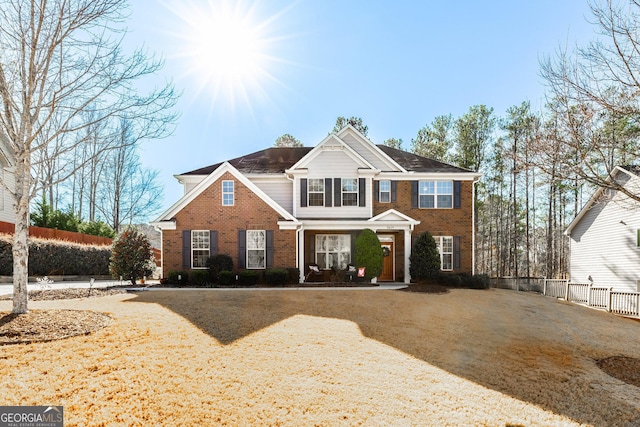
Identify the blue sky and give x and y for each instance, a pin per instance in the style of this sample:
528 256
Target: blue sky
397 64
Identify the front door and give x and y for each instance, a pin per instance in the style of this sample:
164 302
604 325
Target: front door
387 262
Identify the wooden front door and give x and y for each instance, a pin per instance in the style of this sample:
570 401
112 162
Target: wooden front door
387 262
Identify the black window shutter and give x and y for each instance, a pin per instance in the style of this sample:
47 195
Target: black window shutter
414 239
186 248
337 192
394 191
303 192
414 194
327 192
213 242
456 251
376 191
269 248
457 194
362 192
242 248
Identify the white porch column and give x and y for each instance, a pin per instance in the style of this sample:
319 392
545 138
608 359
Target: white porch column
407 252
300 256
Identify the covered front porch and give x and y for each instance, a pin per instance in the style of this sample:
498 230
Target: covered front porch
329 246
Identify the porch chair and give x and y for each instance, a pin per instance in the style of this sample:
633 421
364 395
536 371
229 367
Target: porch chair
314 270
351 272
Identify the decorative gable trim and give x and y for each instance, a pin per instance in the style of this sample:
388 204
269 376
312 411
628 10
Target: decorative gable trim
207 182
393 165
333 143
393 215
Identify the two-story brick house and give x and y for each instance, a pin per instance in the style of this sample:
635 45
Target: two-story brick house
295 206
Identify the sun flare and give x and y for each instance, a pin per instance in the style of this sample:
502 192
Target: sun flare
226 48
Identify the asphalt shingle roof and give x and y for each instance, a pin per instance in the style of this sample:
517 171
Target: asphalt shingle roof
276 160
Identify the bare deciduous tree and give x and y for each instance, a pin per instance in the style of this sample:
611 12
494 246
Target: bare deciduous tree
59 61
593 88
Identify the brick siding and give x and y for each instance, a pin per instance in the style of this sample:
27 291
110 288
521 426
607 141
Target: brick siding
249 212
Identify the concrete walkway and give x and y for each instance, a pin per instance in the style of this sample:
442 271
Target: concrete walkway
7 289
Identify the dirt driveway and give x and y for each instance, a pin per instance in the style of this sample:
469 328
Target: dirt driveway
374 358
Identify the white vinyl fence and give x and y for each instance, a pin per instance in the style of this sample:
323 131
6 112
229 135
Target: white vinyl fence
621 303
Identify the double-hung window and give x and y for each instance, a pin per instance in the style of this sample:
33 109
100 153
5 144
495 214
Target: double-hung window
445 247
316 192
436 194
256 249
349 191
333 250
227 193
200 246
385 191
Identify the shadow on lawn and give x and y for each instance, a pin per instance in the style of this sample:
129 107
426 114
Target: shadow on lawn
533 369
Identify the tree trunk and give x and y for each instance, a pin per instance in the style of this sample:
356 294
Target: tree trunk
21 235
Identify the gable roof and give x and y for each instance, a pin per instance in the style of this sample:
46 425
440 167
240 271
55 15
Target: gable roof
276 160
415 163
332 141
210 179
270 160
631 170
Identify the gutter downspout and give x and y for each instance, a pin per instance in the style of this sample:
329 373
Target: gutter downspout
473 228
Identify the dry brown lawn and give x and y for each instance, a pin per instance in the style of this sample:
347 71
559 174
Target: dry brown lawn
329 358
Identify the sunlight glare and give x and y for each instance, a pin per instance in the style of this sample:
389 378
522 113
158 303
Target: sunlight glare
226 50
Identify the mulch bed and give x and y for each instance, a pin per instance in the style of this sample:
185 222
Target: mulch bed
624 368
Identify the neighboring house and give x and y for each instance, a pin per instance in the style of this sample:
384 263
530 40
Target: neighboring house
605 236
295 206
7 164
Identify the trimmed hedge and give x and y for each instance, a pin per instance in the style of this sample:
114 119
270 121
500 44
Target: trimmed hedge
248 278
55 257
172 277
276 276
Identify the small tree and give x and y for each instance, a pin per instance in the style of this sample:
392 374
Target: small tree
131 256
368 253
424 261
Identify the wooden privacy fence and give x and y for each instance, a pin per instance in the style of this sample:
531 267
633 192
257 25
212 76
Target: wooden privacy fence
55 234
617 302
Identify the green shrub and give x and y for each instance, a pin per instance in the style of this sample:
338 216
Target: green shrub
131 256
200 277
218 263
424 261
248 278
276 276
178 277
56 257
226 278
96 228
368 253
479 281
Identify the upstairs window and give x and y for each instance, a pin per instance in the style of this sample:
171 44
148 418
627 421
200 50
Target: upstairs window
316 191
385 191
435 194
349 192
200 246
227 193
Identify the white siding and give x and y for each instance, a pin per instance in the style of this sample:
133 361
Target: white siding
604 244
365 150
6 203
334 164
280 190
